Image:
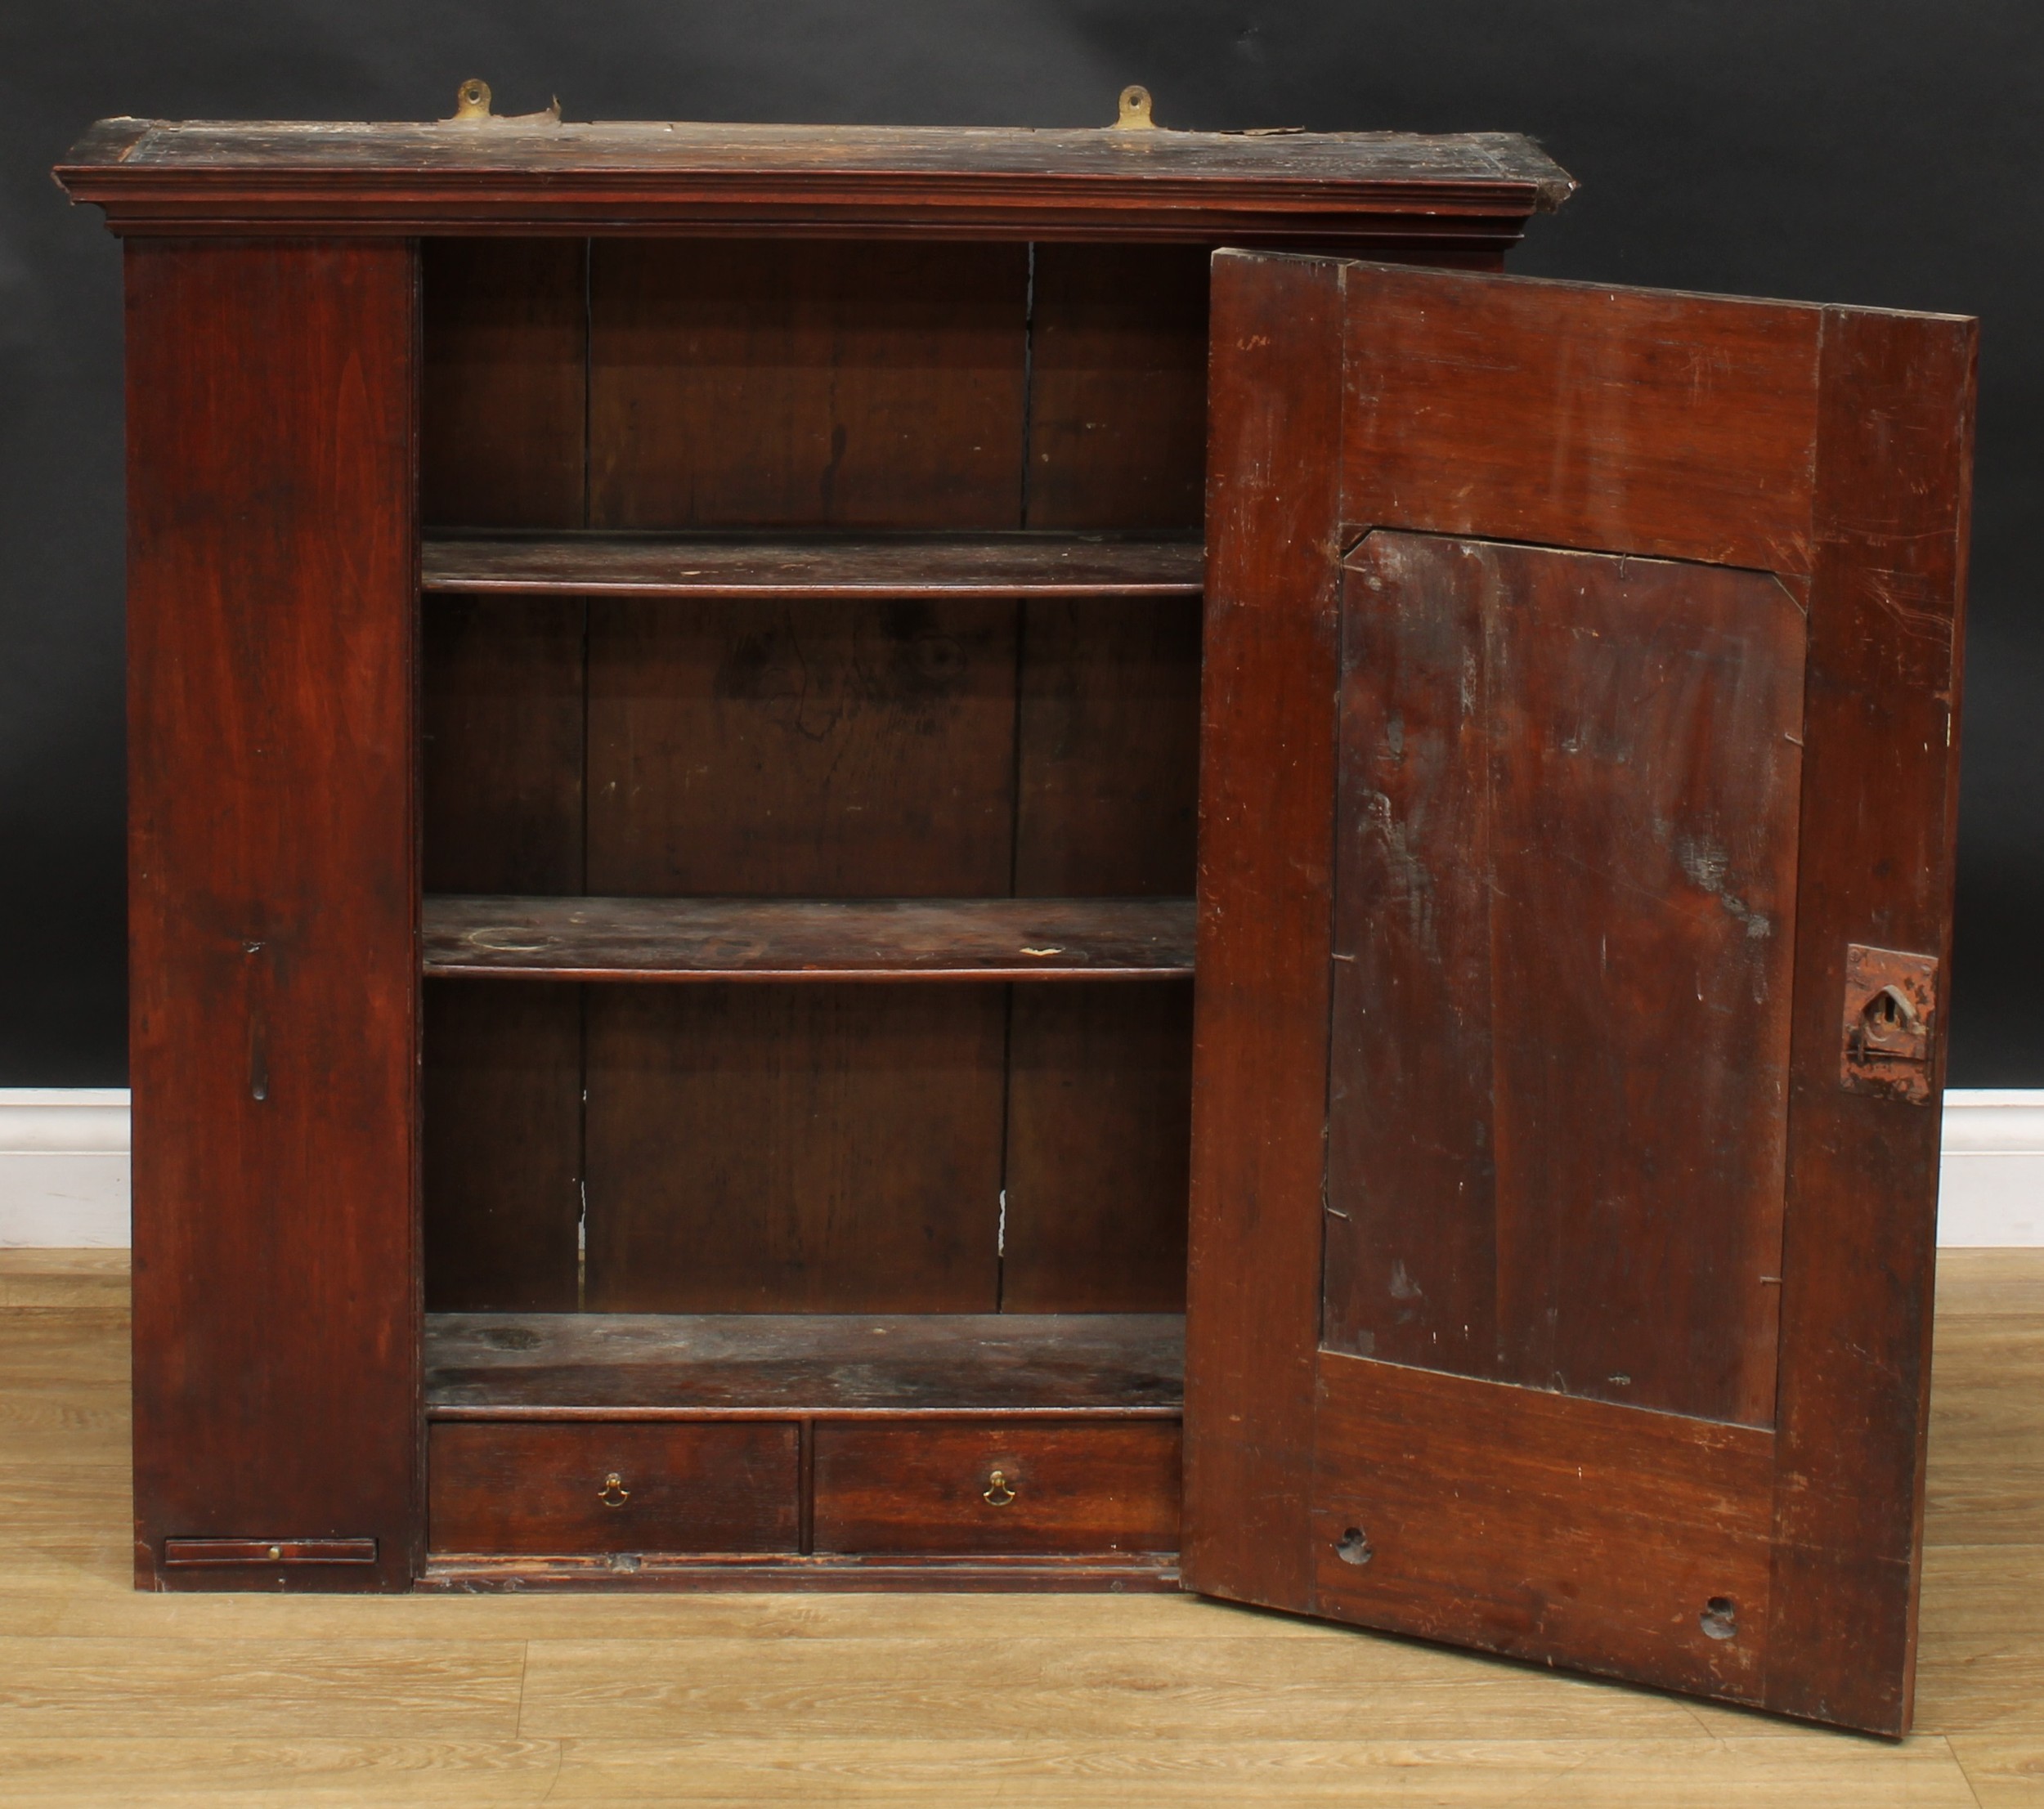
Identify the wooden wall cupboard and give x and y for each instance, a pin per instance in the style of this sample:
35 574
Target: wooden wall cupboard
933 858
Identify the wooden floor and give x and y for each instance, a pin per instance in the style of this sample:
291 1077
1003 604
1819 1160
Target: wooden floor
107 1697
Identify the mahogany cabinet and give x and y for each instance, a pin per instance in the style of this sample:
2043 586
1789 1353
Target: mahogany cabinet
899 858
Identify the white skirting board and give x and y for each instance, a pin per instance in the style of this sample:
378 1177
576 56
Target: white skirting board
63 1168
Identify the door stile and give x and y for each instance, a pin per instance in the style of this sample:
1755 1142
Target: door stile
1879 819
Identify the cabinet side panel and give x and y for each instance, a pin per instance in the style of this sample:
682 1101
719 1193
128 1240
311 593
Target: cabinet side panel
1880 782
1260 1026
273 567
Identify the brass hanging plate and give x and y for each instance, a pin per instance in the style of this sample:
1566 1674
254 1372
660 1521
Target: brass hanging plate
1134 110
472 108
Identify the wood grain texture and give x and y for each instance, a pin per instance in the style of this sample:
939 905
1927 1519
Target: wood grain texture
812 1149
502 1100
1463 194
763 383
1097 1487
770 567
825 1574
1100 1103
1893 479
1260 1023
1107 750
504 404
1099 1087
1564 931
503 391
1578 415
1550 1528
788 1364
272 561
816 749
1847 479
1118 385
539 1488
502 724
251 1701
784 939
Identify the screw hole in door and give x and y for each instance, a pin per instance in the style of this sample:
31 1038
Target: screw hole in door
1353 1547
1719 1619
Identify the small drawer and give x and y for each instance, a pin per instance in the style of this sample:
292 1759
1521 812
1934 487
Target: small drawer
952 1487
645 1486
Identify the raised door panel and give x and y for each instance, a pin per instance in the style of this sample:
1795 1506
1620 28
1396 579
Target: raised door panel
1580 695
272 572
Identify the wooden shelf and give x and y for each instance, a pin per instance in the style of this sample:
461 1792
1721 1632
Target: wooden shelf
775 1365
699 939
820 566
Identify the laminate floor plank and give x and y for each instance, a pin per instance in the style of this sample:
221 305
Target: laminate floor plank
263 1773
1136 1769
171 1701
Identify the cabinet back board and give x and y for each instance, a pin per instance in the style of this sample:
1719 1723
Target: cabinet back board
923 748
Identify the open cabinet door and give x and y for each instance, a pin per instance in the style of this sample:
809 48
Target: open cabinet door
1576 868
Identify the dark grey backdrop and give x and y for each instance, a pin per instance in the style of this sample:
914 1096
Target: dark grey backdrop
1877 151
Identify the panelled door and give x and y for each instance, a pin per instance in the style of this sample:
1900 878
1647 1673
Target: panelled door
1580 756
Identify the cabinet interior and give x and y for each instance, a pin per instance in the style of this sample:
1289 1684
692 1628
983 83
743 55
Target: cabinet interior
810 707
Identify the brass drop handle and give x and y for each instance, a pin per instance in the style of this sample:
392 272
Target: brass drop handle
613 1493
999 1491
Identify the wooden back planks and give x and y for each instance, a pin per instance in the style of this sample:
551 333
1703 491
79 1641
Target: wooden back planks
272 557
1551 998
958 745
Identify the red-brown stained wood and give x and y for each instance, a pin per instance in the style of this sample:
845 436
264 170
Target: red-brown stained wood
803 1149
757 384
502 1103
782 940
502 727
1461 194
1260 1025
1099 1088
933 1488
770 568
505 343
1573 415
1874 546
764 1365
272 555
1107 750
503 395
264 1552
1118 385
817 748
1100 1101
1880 777
661 1573
613 1487
1564 929
1557 1529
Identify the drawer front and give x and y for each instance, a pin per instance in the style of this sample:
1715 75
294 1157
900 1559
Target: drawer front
630 1487
933 1488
